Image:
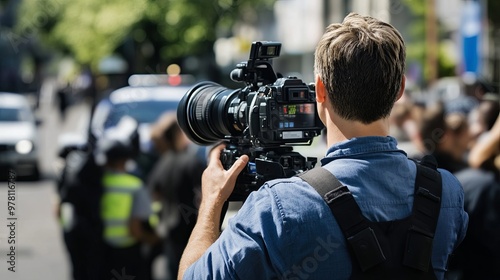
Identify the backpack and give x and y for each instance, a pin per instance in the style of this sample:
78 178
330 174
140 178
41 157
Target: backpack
398 249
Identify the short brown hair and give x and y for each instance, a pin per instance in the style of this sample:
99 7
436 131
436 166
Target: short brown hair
361 63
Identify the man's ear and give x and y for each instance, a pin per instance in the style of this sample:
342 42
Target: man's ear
320 90
402 89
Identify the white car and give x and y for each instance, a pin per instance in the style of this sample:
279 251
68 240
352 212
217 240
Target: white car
18 137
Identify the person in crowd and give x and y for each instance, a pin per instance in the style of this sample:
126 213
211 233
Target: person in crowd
473 94
175 181
446 137
285 229
63 95
125 206
80 190
479 254
404 120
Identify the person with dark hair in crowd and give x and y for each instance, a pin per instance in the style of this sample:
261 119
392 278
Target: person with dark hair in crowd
175 181
478 256
286 229
446 137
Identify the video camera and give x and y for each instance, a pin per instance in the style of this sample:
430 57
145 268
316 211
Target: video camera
262 120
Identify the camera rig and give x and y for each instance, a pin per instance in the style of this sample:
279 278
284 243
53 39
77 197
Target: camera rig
262 120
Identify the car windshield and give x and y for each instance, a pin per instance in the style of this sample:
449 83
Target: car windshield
142 112
15 115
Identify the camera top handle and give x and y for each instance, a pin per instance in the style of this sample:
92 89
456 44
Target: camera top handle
258 69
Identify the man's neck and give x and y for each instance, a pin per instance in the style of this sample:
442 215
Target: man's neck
342 130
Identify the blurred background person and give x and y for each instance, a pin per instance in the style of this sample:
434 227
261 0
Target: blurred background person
125 205
446 137
473 94
63 95
478 257
404 125
175 181
80 190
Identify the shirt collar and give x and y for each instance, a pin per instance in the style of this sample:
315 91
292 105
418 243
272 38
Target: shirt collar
361 145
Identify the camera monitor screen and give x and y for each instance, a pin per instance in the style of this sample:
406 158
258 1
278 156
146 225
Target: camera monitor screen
293 116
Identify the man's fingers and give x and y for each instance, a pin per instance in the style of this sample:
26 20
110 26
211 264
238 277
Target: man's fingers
238 165
236 168
214 156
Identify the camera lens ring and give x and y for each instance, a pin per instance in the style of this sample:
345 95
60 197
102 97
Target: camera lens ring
203 113
183 116
194 109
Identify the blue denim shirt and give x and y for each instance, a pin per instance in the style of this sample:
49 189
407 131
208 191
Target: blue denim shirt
285 230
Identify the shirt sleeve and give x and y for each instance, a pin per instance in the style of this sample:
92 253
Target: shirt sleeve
452 223
141 207
249 246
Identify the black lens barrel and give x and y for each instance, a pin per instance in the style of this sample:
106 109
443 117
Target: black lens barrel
204 113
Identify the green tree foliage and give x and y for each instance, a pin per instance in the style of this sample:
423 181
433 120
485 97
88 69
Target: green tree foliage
417 49
164 30
89 29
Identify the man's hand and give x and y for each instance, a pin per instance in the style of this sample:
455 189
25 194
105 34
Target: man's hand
216 186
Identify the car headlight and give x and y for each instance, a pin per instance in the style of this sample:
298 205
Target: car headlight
24 146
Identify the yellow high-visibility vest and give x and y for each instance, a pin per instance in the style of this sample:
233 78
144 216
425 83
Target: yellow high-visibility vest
116 207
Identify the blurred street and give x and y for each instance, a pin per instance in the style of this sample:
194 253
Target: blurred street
39 247
39 251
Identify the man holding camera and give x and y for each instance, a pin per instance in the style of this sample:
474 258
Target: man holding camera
285 229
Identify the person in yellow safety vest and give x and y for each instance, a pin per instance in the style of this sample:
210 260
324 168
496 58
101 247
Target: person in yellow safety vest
125 206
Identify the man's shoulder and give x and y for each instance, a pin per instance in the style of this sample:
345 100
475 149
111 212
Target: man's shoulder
288 187
123 180
453 192
295 207
449 179
134 179
293 196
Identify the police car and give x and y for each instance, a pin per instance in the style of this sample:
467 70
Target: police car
145 104
145 99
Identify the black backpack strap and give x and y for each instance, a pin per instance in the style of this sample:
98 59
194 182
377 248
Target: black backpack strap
425 214
355 227
322 180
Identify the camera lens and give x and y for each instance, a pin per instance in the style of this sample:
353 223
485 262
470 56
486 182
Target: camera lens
207 113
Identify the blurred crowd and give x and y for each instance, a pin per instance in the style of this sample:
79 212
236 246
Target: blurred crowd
463 134
121 209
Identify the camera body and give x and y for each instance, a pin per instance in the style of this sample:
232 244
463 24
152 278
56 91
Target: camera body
283 113
262 120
